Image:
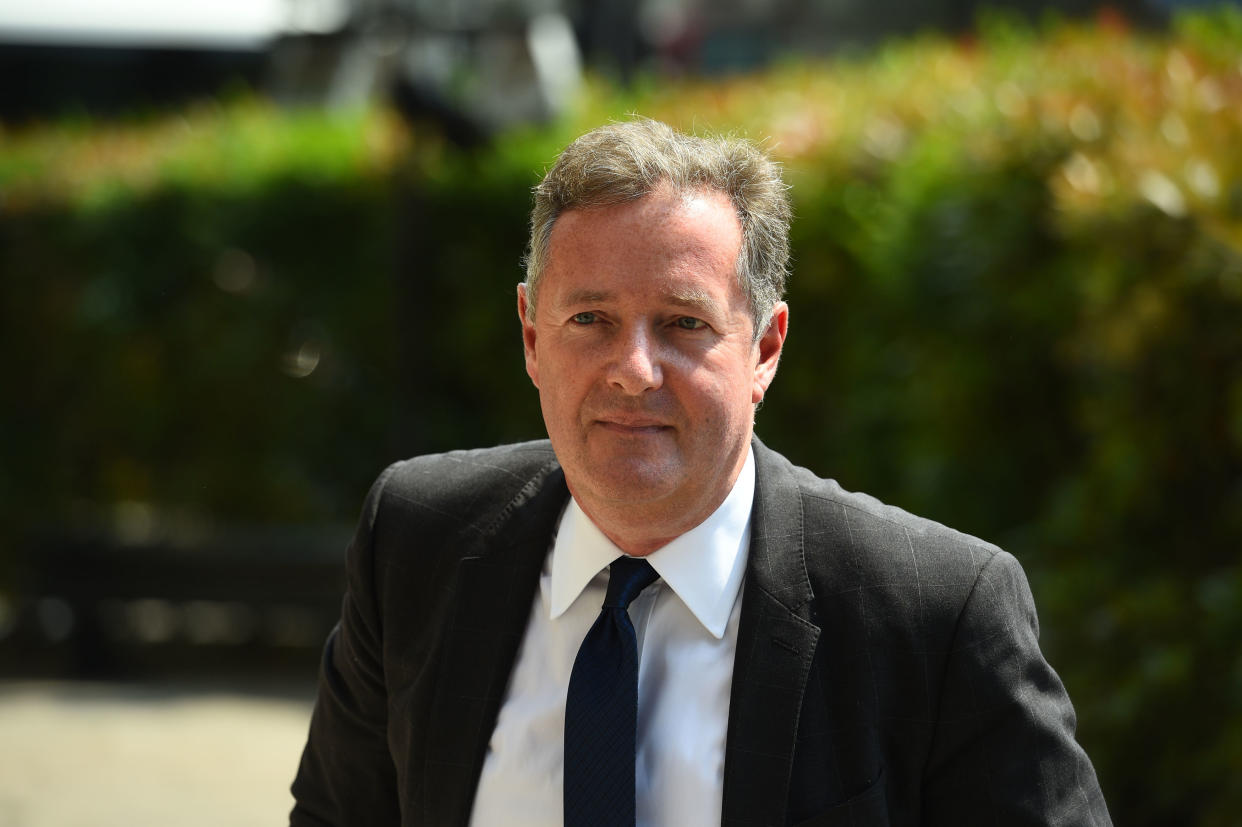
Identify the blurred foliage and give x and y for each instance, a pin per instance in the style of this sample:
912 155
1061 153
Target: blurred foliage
1017 309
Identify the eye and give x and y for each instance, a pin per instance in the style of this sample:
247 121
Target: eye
690 323
583 318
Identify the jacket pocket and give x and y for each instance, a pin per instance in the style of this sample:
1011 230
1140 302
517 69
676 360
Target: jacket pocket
868 808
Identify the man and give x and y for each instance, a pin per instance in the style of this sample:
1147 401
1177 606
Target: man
806 655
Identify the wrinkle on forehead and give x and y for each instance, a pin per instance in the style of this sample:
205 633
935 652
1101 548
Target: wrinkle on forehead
691 232
686 296
685 208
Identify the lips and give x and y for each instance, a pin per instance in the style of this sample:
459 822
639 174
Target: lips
631 425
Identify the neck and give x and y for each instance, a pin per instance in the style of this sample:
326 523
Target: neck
639 529
637 544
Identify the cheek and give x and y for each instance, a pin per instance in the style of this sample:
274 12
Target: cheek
560 399
733 402
720 384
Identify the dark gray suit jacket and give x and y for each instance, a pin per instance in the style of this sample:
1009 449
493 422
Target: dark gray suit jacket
887 671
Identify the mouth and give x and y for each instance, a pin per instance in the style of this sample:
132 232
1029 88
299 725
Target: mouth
632 427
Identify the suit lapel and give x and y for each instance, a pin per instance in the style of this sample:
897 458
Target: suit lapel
775 647
493 590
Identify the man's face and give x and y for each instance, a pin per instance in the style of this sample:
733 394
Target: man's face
643 352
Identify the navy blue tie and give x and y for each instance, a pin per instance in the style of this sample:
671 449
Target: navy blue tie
601 710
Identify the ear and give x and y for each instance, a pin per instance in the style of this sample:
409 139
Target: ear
768 350
528 334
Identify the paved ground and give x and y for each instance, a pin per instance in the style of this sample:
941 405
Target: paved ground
103 755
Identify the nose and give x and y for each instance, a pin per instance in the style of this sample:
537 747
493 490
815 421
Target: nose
636 363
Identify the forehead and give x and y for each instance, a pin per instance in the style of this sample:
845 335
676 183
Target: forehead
665 232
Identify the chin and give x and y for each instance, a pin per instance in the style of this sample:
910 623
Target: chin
632 482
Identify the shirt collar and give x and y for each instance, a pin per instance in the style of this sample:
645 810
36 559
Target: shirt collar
704 566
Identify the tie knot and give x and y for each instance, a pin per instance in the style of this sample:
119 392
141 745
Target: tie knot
627 576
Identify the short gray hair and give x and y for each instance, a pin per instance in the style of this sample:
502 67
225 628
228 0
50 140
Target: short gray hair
625 161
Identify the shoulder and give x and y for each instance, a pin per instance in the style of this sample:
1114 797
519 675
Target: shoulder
503 465
463 489
825 504
853 541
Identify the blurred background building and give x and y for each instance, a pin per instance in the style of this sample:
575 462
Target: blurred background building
473 66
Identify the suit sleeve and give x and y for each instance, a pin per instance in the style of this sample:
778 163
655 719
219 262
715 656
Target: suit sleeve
1004 751
347 776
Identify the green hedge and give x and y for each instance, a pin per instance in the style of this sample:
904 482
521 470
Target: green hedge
1017 308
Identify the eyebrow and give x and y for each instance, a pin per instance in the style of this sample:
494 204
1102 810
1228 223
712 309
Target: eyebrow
692 299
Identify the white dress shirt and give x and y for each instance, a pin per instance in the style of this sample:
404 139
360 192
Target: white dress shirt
687 636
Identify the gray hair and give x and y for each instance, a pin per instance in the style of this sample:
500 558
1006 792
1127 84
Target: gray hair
625 161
